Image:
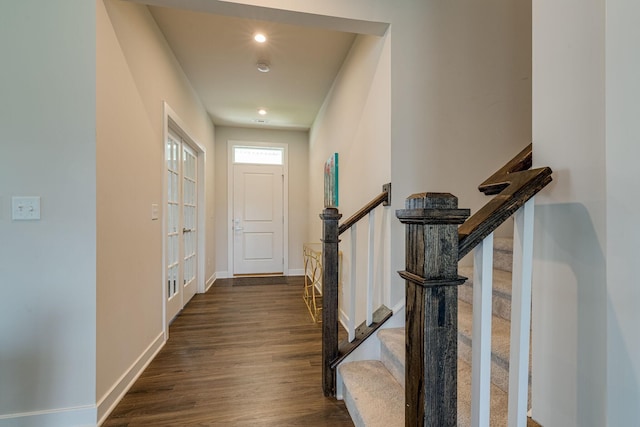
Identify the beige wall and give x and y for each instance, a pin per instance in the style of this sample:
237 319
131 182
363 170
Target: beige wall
354 121
136 73
298 146
48 267
623 205
569 282
460 99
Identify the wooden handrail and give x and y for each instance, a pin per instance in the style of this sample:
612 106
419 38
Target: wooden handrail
496 182
383 198
332 352
514 185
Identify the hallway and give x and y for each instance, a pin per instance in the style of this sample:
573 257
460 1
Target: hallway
246 353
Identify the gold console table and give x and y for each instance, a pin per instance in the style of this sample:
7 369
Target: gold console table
312 256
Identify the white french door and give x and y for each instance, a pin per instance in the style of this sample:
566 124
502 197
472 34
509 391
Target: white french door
189 222
182 221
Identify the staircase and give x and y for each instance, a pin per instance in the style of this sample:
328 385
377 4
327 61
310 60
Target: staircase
374 389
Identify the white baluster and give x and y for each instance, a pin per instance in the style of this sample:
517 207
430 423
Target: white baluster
520 315
481 344
370 263
351 330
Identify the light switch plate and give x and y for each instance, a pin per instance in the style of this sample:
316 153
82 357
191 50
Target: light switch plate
25 208
154 212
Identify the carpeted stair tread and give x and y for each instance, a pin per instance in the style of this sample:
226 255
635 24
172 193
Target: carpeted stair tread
498 405
504 244
372 396
374 390
500 331
501 291
501 280
503 253
375 399
500 336
393 348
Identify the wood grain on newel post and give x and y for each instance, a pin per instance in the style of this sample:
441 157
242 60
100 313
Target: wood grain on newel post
330 218
432 282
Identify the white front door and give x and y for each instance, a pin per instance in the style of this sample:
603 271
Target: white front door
258 219
181 238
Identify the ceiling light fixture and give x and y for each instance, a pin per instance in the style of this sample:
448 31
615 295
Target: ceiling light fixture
262 112
260 38
263 66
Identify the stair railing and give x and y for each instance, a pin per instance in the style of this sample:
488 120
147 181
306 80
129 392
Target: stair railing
434 245
332 350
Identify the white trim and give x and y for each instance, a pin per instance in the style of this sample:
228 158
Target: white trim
209 282
520 314
399 307
222 275
481 338
353 280
112 397
370 265
296 272
343 318
285 199
62 417
202 223
177 125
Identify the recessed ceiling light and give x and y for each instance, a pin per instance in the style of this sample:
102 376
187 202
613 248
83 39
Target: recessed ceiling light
263 66
262 112
260 38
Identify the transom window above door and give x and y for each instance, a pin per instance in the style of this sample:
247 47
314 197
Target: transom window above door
258 155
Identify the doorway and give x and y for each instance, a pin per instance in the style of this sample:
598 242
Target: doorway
183 218
258 188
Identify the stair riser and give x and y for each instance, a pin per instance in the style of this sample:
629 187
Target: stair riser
499 367
352 408
502 260
395 362
501 304
392 363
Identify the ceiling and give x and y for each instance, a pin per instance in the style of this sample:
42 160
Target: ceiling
219 57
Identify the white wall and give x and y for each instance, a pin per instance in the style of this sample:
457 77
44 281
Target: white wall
48 267
569 295
298 149
623 231
136 73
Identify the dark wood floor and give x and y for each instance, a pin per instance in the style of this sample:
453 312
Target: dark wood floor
246 353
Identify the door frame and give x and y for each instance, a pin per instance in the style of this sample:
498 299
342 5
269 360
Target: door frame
285 199
177 125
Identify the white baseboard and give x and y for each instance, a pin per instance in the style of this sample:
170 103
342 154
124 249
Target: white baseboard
61 417
222 275
209 282
343 318
225 275
111 398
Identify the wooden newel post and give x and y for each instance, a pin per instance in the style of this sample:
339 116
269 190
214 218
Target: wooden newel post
431 308
330 218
